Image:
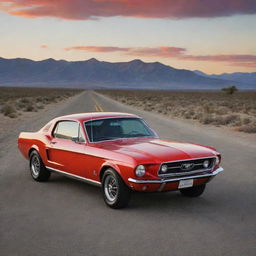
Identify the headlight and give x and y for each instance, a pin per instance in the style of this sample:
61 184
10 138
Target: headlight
164 168
140 170
206 163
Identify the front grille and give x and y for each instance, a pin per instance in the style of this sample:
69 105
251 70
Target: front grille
186 167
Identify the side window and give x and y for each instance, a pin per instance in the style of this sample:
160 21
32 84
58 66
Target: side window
81 135
66 130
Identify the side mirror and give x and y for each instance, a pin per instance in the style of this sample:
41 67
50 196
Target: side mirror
75 139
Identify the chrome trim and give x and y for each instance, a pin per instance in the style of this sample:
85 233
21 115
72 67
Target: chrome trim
180 166
190 159
217 171
185 173
97 183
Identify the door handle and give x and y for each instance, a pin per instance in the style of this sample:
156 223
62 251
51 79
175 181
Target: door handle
53 142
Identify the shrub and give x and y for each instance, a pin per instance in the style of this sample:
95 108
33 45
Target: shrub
230 90
40 106
246 120
248 128
207 108
20 105
189 114
30 108
232 119
24 100
221 111
8 110
206 119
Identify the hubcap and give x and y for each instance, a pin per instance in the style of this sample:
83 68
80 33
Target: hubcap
110 188
35 166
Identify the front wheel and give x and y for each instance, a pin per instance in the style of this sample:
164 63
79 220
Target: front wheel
115 192
193 191
37 168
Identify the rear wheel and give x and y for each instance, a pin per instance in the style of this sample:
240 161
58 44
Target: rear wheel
193 191
37 168
115 192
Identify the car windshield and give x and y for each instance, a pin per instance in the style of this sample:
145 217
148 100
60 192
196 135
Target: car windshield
117 128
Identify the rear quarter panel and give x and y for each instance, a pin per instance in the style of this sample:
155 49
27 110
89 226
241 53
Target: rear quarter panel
32 140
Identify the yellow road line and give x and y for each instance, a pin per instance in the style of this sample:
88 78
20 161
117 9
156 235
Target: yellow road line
97 105
96 108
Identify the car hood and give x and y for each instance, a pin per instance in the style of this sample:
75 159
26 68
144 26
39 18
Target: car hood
157 151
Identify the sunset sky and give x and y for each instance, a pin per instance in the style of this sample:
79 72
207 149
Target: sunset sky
213 36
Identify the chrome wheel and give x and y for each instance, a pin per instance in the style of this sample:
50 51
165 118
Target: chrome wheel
35 166
111 188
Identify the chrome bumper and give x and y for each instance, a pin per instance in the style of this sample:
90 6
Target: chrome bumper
218 170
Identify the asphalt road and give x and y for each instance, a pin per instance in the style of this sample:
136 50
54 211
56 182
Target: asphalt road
68 217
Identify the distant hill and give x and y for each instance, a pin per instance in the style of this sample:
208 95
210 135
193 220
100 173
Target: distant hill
237 77
100 74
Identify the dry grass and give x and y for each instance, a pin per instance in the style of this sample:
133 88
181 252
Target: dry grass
209 108
15 100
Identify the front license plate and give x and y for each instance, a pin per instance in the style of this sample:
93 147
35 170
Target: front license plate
185 183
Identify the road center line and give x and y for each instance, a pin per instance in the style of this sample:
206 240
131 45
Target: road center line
97 105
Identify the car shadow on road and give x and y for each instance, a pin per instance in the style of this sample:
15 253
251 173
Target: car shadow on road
169 200
74 185
139 200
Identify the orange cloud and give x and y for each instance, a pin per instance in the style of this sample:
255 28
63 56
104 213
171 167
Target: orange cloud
91 9
245 60
44 46
162 51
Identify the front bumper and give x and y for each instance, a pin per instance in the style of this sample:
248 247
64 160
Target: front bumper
171 183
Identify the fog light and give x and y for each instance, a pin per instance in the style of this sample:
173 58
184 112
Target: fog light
144 188
164 168
206 163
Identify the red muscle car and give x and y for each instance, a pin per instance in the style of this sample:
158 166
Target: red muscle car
120 153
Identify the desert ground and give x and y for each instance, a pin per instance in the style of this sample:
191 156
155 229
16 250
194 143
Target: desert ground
237 111
18 104
68 217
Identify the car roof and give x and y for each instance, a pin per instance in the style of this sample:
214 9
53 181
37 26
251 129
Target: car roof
94 115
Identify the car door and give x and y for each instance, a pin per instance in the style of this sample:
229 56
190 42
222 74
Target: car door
65 145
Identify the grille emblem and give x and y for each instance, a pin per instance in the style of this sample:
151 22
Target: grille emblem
187 166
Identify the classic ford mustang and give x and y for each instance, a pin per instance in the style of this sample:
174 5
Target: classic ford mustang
120 153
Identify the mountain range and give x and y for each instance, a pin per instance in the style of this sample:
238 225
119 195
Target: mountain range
243 78
134 74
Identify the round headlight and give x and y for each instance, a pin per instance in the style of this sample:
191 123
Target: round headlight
140 170
164 168
206 163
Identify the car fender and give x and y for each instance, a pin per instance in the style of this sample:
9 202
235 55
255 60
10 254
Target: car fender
109 164
124 170
33 147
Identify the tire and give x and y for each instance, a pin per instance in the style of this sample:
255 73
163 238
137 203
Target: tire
115 192
193 191
37 168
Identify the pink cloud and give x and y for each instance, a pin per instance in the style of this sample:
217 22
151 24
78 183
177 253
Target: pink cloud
44 46
97 48
91 9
